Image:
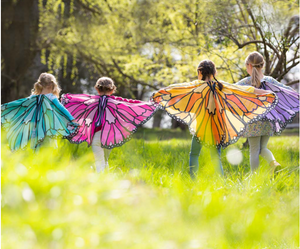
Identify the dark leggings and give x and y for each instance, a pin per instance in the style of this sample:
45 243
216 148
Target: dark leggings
194 156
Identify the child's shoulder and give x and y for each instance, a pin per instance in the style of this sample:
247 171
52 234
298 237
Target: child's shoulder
50 96
244 81
268 78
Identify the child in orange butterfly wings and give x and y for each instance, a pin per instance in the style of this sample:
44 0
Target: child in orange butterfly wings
215 112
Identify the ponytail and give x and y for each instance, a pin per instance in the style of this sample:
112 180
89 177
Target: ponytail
255 80
37 88
220 85
256 60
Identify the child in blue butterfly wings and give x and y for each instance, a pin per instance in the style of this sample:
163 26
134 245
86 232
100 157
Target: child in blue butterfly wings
37 117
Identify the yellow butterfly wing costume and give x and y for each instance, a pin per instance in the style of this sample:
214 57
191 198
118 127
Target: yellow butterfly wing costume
216 118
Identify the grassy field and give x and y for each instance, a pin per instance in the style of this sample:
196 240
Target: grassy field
54 199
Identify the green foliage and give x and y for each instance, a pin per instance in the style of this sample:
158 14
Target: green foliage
142 44
54 199
145 43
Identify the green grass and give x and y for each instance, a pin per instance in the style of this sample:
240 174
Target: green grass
53 199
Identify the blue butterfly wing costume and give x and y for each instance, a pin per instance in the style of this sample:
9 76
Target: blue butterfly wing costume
33 119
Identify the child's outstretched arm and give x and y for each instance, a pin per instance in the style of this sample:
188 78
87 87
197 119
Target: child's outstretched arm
275 82
63 109
261 91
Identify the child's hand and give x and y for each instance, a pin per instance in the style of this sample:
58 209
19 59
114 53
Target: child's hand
74 121
261 91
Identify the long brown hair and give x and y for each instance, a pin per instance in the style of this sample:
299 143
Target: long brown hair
46 80
208 68
256 60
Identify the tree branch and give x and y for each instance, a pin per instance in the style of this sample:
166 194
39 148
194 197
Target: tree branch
295 63
258 41
292 82
131 78
92 9
108 5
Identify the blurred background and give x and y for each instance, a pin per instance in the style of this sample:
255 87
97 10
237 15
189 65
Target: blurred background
143 44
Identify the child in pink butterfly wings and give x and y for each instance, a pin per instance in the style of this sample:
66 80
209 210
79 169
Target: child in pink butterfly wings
106 121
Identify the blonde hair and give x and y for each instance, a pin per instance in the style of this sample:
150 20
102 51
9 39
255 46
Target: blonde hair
256 60
105 85
46 80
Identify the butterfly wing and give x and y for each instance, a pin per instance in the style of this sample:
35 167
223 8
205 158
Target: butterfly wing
216 118
121 119
240 108
285 110
33 118
52 122
84 108
17 118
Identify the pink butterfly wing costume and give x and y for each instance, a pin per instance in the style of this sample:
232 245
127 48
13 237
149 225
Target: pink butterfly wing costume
116 117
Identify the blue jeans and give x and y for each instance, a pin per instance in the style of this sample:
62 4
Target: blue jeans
194 156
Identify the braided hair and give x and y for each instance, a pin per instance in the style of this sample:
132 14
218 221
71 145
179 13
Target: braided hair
208 68
256 60
105 85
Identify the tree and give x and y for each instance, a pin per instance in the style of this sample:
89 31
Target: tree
270 27
18 46
145 44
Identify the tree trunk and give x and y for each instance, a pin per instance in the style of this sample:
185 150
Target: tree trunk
176 124
157 119
18 46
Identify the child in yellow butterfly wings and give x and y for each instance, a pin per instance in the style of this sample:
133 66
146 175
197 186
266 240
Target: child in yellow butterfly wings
216 113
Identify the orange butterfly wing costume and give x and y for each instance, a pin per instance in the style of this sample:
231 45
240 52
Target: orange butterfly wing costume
216 118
